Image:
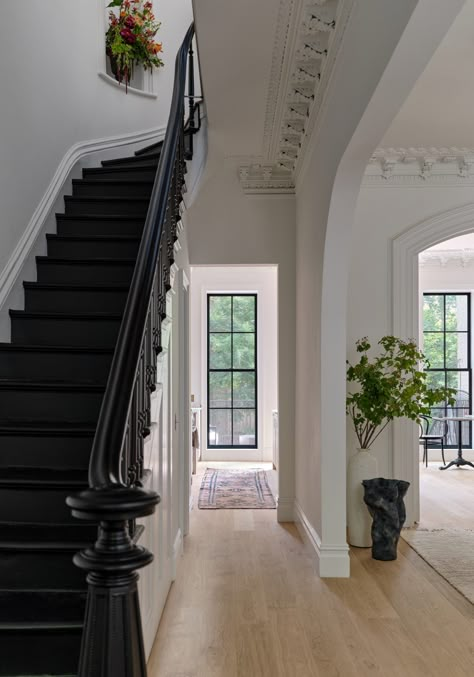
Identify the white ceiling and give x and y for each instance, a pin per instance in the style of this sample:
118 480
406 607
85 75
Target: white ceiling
440 109
236 41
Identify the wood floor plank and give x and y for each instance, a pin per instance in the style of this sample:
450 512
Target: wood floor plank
247 602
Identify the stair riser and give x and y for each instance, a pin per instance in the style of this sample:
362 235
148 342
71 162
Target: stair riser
117 173
45 451
89 206
83 273
33 570
106 228
43 366
71 301
141 161
65 332
42 406
36 652
112 190
92 250
39 506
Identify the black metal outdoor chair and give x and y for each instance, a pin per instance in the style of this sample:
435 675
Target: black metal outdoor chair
432 430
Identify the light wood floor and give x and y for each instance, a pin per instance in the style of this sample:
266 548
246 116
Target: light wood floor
247 603
446 497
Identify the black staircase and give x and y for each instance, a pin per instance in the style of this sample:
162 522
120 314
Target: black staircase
75 386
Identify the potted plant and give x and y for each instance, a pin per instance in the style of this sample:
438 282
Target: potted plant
130 39
390 385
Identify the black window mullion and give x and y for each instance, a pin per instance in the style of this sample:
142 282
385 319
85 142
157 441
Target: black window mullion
459 370
232 370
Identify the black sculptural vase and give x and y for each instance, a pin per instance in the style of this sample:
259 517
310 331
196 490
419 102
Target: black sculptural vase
384 499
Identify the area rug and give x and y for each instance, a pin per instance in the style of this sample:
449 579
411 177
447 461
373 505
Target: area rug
235 489
450 552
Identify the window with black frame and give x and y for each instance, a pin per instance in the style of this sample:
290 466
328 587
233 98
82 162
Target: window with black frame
447 345
232 371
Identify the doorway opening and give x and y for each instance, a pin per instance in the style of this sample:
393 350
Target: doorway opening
234 368
446 286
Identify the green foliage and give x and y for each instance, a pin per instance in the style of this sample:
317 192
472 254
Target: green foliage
391 385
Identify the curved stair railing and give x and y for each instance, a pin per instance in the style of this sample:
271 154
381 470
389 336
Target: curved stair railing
112 642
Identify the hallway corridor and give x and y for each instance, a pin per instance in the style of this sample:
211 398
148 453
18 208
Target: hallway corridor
247 603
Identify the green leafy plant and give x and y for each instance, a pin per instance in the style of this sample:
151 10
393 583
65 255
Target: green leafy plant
390 385
130 38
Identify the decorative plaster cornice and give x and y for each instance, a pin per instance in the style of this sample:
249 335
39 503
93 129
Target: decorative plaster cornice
459 258
306 43
420 167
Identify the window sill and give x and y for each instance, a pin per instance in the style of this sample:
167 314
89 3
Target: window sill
131 90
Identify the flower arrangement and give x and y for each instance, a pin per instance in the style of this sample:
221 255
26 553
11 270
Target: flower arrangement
130 38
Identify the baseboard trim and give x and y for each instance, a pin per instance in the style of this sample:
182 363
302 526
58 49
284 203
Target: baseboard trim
285 509
177 552
332 560
78 151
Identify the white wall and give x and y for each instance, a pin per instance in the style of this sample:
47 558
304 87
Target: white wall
374 71
226 227
382 214
51 96
233 279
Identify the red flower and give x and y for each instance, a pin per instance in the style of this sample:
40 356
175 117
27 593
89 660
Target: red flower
129 22
128 36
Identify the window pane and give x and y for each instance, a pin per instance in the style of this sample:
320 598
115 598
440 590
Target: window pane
220 351
220 313
456 351
244 427
435 379
220 427
244 351
433 348
456 312
220 389
244 389
433 312
244 313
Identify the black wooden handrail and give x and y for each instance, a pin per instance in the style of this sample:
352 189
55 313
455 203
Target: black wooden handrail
105 465
112 642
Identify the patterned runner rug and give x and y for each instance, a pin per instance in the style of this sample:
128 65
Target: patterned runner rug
450 552
238 489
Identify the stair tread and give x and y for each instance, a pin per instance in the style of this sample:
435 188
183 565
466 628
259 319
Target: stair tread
49 428
31 347
72 316
91 238
111 168
99 217
76 286
7 384
119 182
75 262
146 149
105 198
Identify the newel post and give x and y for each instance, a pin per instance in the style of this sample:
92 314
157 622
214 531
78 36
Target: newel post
112 641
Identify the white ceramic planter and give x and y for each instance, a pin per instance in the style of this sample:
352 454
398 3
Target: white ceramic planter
362 466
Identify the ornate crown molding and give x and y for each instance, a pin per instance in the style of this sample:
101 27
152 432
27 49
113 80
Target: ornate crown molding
420 167
306 43
458 258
